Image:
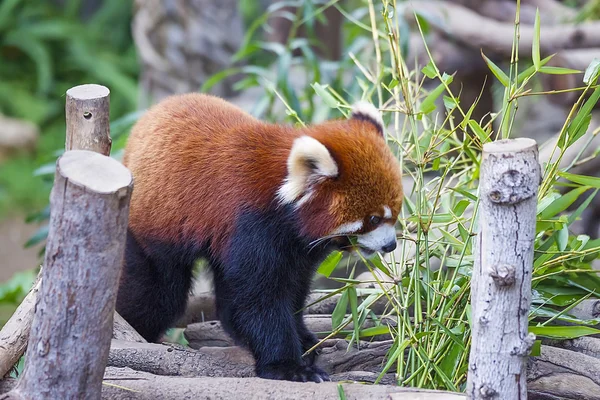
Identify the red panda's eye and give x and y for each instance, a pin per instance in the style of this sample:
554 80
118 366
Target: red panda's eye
374 220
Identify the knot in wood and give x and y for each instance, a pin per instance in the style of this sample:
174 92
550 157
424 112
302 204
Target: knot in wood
486 391
512 188
596 309
525 346
503 275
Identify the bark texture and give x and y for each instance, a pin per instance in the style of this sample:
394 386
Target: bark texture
72 328
501 285
88 122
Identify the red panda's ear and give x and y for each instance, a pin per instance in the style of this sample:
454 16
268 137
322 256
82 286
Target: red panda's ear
364 111
309 163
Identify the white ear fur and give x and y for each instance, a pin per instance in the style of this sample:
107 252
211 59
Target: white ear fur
365 111
309 162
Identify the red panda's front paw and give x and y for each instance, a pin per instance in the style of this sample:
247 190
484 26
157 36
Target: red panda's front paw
293 372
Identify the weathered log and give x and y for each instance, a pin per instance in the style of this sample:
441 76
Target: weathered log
123 331
494 37
501 283
15 333
563 374
201 307
88 123
211 333
128 384
590 346
337 356
175 360
71 331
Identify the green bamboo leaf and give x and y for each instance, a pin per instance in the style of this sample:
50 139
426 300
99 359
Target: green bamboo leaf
428 104
375 331
380 265
535 47
341 393
546 201
329 264
558 71
497 71
429 70
218 77
321 91
531 70
563 332
479 132
453 241
354 309
562 203
562 238
592 72
581 179
339 312
574 215
392 359
583 115
460 207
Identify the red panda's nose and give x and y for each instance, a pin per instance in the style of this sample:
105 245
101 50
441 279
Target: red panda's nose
391 246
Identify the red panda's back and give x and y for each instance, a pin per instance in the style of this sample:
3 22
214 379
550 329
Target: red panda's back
195 160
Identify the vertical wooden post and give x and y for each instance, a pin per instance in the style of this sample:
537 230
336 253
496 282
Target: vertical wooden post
72 329
88 121
501 283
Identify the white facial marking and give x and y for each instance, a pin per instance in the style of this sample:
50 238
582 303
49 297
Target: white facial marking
378 237
309 162
387 212
348 227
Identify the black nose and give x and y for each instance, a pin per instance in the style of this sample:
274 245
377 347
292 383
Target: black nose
389 247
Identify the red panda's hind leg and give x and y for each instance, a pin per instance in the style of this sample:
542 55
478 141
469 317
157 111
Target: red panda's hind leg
154 286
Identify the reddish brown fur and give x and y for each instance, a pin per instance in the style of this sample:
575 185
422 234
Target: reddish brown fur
198 161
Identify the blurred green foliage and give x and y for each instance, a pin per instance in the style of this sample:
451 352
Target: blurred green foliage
44 50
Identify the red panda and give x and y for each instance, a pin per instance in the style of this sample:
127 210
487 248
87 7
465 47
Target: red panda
264 204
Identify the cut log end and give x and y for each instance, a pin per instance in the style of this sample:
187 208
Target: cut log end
96 172
88 92
510 145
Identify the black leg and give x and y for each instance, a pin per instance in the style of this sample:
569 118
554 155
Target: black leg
262 282
153 291
307 338
269 328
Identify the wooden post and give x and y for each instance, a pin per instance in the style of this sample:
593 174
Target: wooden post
88 128
72 329
501 283
88 121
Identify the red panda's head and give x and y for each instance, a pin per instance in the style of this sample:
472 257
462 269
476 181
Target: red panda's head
344 181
